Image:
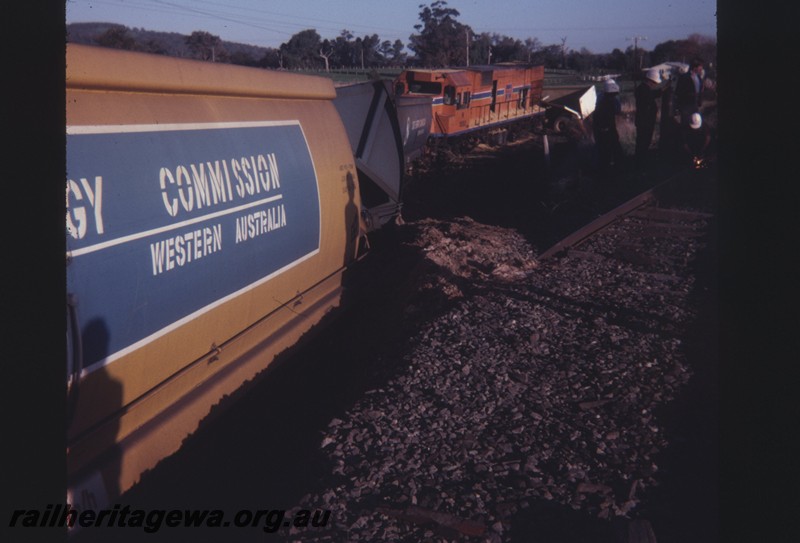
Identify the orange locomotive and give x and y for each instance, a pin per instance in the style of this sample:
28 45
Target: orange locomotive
469 99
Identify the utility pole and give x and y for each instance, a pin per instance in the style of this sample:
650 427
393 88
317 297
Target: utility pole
490 54
563 52
636 58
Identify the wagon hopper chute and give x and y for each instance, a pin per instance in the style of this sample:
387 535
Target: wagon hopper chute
386 134
568 104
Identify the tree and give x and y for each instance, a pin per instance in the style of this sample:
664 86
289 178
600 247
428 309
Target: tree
706 49
398 56
369 49
203 45
582 61
392 53
342 53
532 47
638 58
441 39
666 51
117 37
696 45
480 49
616 60
271 59
386 49
325 52
242 59
507 49
154 47
551 56
358 49
302 49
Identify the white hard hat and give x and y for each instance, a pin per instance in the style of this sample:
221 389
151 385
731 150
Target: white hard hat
696 121
610 86
653 75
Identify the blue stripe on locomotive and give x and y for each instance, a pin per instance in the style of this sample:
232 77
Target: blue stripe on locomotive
114 273
438 101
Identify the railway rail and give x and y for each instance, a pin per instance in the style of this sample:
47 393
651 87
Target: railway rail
646 206
568 397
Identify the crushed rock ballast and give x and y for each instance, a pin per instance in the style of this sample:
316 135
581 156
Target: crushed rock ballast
532 382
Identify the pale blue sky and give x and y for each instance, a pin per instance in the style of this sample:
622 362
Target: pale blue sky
600 26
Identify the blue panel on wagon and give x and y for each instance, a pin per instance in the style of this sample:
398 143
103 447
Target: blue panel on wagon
167 221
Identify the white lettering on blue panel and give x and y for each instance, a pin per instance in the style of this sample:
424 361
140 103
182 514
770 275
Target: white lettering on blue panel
166 222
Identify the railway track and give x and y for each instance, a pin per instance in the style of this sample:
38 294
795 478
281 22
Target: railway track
655 209
595 341
483 392
659 232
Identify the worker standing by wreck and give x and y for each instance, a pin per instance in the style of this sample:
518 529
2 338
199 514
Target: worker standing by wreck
647 94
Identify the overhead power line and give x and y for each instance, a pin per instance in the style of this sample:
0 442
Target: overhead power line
636 57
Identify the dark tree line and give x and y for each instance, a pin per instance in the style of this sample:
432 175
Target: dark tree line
443 41
440 40
307 49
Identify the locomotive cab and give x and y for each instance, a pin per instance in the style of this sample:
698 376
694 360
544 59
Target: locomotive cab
477 97
450 92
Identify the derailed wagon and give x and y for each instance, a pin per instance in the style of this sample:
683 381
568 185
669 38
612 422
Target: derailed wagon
568 104
386 133
212 211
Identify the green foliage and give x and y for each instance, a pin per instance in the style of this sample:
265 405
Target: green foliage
164 43
203 45
441 40
117 37
302 50
550 56
364 52
506 49
695 46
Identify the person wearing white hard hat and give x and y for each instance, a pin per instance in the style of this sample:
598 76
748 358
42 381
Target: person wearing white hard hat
695 140
647 94
654 75
610 86
604 127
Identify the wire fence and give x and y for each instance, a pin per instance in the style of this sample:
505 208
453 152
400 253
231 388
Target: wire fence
352 75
